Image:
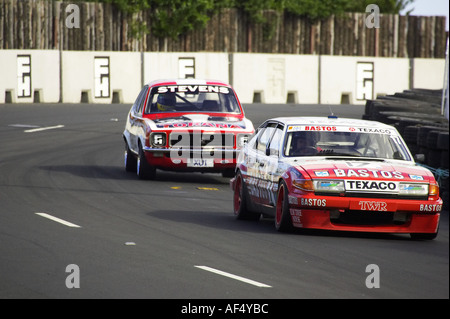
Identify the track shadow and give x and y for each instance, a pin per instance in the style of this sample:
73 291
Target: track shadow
226 221
119 173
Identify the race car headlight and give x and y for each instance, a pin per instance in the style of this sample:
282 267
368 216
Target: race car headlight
242 139
329 186
158 139
303 184
299 182
433 190
413 189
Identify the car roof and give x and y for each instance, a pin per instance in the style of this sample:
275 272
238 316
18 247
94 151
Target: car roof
189 81
314 120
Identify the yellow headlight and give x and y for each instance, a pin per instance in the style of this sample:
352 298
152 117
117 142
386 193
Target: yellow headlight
305 185
433 190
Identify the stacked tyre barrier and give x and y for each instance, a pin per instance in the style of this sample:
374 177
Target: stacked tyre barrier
417 116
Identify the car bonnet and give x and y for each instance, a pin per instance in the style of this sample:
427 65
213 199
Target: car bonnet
365 170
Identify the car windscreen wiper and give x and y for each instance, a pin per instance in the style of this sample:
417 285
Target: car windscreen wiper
334 153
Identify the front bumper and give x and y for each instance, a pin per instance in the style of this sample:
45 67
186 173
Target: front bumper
366 215
188 159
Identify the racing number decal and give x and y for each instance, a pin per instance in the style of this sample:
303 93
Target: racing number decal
364 80
101 76
186 68
24 76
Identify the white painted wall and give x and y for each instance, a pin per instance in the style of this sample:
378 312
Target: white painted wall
79 74
352 76
428 73
164 65
44 66
272 76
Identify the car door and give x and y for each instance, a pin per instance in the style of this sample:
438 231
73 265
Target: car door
251 166
268 155
135 119
273 165
263 163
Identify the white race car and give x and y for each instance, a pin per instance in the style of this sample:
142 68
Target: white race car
335 174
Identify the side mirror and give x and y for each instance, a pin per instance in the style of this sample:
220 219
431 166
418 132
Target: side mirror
271 152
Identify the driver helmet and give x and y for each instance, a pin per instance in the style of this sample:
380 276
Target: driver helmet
166 102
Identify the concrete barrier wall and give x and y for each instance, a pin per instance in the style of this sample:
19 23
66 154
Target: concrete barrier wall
29 75
98 77
428 73
158 65
269 78
50 76
353 80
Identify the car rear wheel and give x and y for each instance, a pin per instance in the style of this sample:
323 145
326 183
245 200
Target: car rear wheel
240 201
283 221
144 169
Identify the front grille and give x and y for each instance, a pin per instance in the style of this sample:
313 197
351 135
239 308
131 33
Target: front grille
373 195
356 217
203 140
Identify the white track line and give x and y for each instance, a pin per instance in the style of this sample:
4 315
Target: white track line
223 273
43 129
58 220
23 125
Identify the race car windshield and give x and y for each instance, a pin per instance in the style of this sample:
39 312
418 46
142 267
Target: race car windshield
192 98
353 144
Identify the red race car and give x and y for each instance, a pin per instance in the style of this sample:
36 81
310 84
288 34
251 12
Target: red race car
185 125
335 174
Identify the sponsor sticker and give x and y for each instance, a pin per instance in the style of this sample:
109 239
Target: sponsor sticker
372 186
200 124
313 202
370 205
328 128
321 173
193 89
367 173
430 207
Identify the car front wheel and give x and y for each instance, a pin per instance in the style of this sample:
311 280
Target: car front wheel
130 160
144 169
283 221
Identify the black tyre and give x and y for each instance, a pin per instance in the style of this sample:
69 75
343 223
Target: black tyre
144 169
442 142
444 160
283 221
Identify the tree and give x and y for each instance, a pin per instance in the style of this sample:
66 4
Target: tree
172 18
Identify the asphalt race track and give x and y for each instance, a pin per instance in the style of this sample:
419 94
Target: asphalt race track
174 237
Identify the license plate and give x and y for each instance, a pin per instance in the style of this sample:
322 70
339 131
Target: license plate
200 162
